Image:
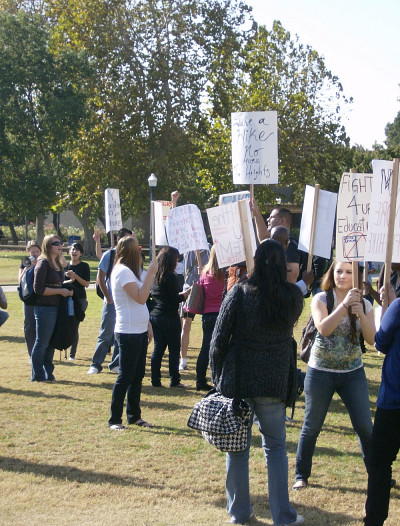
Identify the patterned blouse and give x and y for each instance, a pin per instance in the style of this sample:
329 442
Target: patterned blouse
336 352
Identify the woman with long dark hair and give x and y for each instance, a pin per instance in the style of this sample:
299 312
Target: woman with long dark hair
48 281
335 364
270 308
132 330
79 273
164 317
212 281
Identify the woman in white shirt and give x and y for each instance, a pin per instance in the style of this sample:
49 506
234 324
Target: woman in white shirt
133 330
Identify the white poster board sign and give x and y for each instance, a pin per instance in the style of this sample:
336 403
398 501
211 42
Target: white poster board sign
255 147
185 229
324 224
227 234
232 197
112 209
161 210
379 214
352 213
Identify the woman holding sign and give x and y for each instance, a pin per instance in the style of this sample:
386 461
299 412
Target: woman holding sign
164 317
335 364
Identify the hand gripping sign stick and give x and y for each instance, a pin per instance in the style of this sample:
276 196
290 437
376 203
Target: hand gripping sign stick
392 217
313 223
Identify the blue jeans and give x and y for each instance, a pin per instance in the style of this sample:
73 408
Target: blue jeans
3 317
385 445
271 421
167 332
42 354
106 336
319 388
208 323
132 362
29 326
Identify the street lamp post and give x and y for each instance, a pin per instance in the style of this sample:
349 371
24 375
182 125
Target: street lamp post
152 180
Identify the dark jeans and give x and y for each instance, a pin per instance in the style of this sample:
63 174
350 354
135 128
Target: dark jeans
29 327
167 332
132 362
385 445
74 345
208 323
42 353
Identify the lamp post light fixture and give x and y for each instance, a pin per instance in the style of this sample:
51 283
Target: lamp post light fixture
152 180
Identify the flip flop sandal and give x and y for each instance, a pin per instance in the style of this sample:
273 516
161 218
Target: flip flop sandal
142 423
300 484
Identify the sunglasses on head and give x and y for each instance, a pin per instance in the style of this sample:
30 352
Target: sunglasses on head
56 244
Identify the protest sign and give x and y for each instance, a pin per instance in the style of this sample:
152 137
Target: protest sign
112 209
161 209
232 197
185 229
352 216
255 147
324 224
378 223
226 231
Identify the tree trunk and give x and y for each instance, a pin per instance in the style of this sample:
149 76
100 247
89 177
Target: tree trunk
56 223
40 228
89 246
13 234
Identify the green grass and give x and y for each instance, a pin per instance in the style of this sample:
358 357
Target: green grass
10 262
61 465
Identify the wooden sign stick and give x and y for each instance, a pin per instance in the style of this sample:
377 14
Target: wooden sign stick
392 217
312 236
245 224
112 238
199 262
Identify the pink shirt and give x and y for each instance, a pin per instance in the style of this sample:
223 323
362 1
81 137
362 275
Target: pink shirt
213 289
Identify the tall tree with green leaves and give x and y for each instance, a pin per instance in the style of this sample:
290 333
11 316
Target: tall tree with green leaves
42 102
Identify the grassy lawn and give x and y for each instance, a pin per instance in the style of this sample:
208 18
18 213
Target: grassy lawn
10 262
61 465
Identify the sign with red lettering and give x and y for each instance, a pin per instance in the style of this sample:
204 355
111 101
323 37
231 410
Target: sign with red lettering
255 147
353 207
379 214
185 229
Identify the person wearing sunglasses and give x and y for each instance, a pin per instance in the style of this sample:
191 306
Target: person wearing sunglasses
47 284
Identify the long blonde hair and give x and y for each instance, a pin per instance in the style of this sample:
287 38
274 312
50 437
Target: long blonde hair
47 253
128 254
212 266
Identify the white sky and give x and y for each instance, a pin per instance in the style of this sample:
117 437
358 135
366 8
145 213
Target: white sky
360 41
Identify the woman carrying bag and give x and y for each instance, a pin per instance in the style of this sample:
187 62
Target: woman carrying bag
270 308
48 281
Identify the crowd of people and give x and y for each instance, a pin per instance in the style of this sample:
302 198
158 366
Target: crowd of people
263 307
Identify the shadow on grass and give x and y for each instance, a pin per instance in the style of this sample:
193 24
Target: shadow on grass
13 339
37 394
18 465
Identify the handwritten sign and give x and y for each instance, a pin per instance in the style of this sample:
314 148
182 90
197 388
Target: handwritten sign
379 214
324 225
161 210
185 229
112 209
352 216
255 147
232 197
226 231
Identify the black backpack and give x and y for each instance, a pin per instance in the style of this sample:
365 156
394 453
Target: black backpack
25 287
309 332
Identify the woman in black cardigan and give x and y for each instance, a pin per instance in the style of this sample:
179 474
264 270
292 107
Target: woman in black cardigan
271 307
164 317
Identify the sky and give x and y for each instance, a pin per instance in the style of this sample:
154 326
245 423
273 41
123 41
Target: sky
360 41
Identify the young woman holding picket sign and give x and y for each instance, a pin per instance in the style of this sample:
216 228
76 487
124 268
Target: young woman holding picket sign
335 364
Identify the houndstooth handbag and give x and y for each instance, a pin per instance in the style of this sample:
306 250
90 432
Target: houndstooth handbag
224 422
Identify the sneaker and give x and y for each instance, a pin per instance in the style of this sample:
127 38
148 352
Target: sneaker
252 516
93 370
71 359
114 369
179 386
204 387
117 427
183 366
299 520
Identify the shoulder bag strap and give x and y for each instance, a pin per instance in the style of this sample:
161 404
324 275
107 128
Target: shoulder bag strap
238 345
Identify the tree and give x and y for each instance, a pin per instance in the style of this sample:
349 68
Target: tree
279 73
392 131
41 104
